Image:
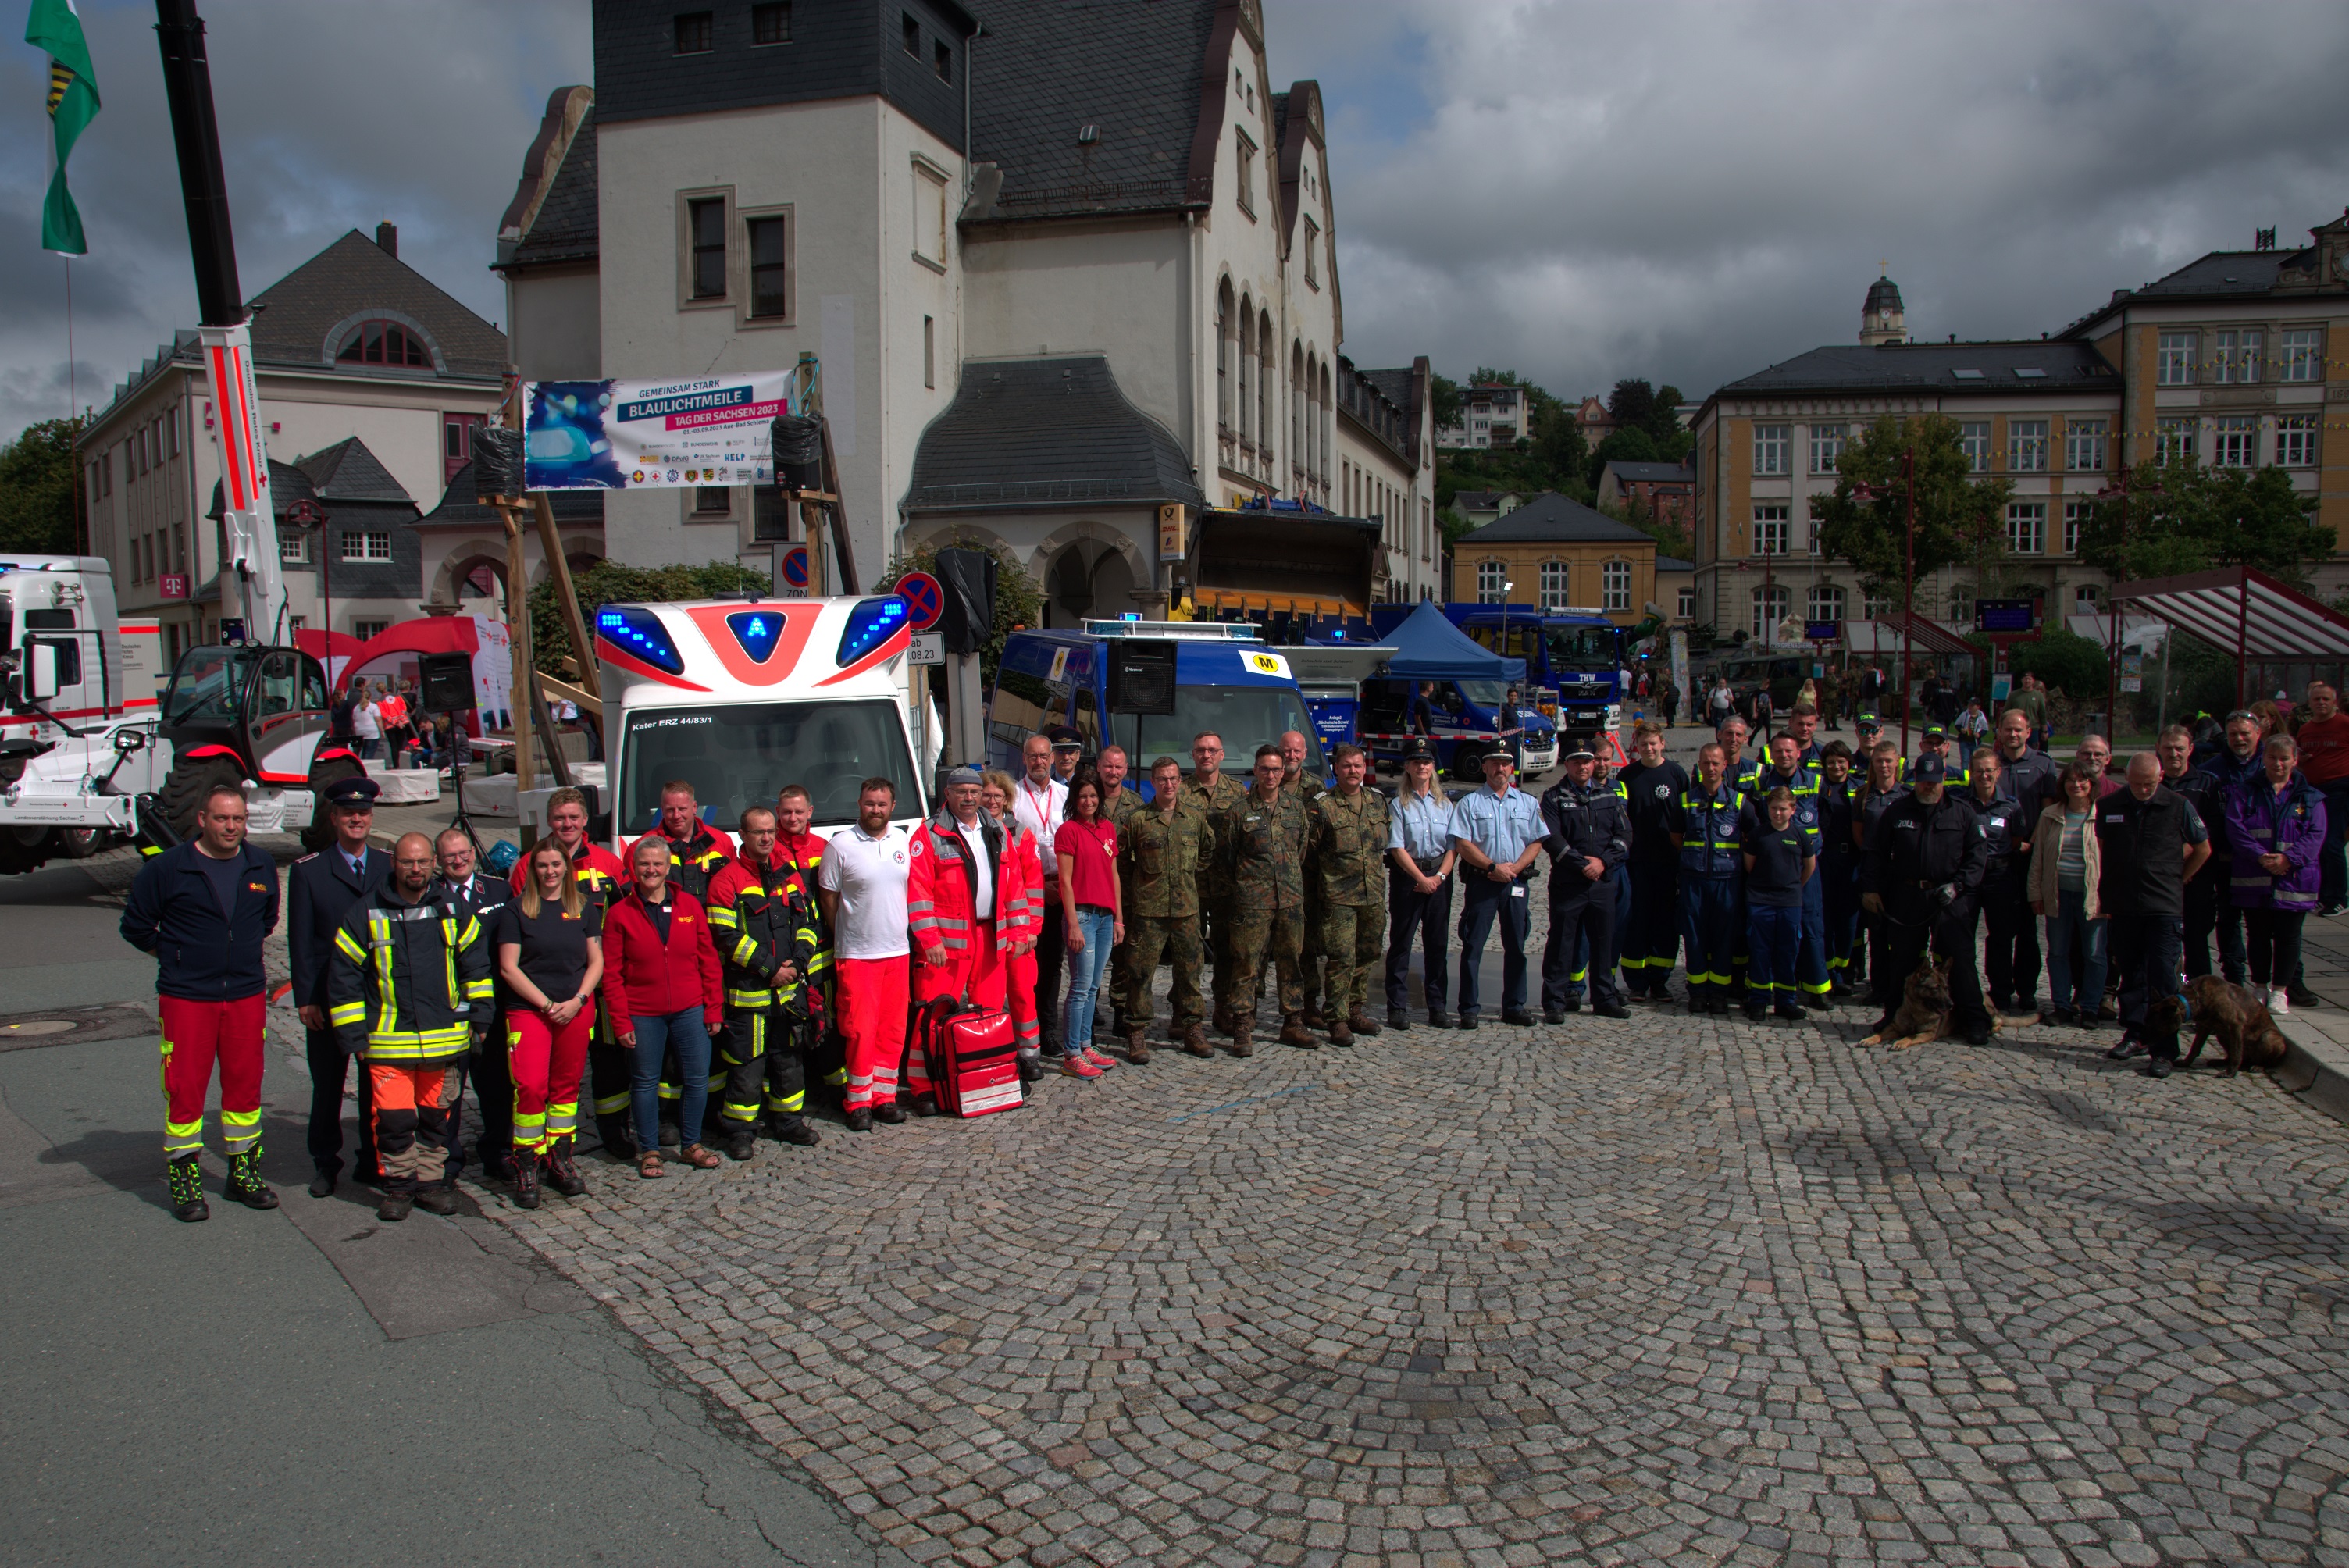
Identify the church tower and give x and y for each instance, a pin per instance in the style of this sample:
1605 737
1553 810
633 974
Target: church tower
1880 319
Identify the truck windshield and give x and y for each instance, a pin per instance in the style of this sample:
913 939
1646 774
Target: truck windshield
737 755
1484 694
207 687
1245 717
1572 647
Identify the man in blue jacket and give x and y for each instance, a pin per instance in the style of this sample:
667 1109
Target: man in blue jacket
203 908
320 890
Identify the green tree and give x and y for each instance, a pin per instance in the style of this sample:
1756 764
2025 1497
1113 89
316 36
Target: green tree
1018 598
1959 517
1559 445
1632 405
2168 518
1624 444
1444 401
610 582
2062 658
1666 425
38 471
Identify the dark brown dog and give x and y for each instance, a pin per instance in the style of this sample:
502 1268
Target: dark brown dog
1924 1011
2245 1032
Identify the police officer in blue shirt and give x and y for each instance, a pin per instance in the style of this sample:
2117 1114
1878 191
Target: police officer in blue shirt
1420 856
1705 825
319 890
1498 831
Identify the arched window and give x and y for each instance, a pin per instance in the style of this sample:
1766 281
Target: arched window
1296 453
1223 327
1328 423
1247 377
1267 373
1557 585
1770 606
1492 584
1615 585
384 343
1826 602
2084 600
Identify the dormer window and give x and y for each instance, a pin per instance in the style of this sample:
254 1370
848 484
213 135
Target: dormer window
384 343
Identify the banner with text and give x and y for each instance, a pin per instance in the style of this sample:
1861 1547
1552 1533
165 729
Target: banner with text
648 435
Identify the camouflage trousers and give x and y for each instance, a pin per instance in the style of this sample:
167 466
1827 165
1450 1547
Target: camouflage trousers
1309 953
1216 937
1176 938
1353 941
1260 932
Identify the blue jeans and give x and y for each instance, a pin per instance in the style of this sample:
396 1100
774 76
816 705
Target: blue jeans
1085 971
685 1034
2075 953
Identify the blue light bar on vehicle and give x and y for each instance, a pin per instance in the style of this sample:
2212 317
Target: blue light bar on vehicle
872 623
758 631
638 632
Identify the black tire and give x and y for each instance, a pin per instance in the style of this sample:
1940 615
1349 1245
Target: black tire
190 783
19 855
320 834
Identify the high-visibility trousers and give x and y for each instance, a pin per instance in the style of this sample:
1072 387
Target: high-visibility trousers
872 999
1711 916
196 1036
761 1054
411 1121
546 1063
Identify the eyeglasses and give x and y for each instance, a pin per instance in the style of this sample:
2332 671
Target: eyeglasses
2244 716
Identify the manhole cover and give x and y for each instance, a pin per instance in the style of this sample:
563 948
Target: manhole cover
40 1026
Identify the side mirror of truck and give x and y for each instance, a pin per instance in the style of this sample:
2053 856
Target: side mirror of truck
37 681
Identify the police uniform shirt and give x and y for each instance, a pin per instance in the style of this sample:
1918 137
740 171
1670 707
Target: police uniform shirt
1500 826
554 945
1422 826
1776 879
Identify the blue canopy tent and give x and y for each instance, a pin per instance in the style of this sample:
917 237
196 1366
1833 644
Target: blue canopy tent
1428 648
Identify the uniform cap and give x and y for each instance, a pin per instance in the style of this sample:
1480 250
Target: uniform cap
353 792
1419 748
1929 770
1935 732
1869 721
1582 751
1500 753
1063 738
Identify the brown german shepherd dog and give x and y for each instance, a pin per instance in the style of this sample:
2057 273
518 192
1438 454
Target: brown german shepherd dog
1924 1011
2245 1032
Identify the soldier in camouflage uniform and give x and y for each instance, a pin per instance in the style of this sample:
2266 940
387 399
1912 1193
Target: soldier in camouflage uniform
1159 848
1347 849
1307 788
1212 792
1264 837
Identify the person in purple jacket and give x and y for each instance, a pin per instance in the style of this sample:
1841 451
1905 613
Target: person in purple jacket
2275 822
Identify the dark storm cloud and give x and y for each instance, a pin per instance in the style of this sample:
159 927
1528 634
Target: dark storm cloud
334 115
1691 192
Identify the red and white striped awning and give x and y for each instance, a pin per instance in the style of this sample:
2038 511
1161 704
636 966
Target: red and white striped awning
2242 611
1930 636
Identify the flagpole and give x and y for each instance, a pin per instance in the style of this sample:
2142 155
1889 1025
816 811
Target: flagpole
73 427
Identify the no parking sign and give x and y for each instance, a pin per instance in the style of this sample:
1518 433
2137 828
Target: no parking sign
925 597
795 568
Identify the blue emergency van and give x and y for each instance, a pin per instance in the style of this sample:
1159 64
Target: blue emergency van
1222 679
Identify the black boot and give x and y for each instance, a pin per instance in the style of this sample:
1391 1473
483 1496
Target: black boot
187 1181
562 1170
525 1166
794 1129
742 1143
394 1205
244 1182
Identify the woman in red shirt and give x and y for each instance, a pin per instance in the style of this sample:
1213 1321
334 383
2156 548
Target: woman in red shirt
661 986
1086 846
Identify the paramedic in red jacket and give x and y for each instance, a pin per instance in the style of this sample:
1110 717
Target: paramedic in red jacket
965 907
995 798
662 991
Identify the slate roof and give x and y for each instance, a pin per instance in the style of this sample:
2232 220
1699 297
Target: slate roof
1393 385
1673 563
1479 501
296 315
1882 293
460 505
564 229
1133 71
1652 473
2221 275
2066 366
1553 518
348 471
1042 432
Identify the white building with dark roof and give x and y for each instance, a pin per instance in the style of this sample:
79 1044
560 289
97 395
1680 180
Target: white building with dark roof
354 347
1098 235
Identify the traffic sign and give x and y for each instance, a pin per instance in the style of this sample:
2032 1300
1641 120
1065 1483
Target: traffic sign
925 597
928 648
795 566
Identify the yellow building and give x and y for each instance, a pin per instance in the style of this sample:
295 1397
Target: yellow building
1554 554
2232 356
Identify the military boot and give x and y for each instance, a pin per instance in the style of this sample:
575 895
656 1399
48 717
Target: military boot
1293 1032
1240 1045
1137 1050
1225 1025
1359 1022
1195 1041
1340 1032
244 1182
187 1181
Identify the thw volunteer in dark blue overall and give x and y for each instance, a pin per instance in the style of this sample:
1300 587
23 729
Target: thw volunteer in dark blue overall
1838 865
1780 860
1788 772
1704 827
1589 837
1650 790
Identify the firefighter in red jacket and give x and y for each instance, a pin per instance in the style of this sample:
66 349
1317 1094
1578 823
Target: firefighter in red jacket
801 853
763 922
602 878
968 910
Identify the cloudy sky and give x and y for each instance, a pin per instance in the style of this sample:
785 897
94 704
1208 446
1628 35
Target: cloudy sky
1582 191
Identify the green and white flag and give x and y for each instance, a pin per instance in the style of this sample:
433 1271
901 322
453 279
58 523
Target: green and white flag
56 25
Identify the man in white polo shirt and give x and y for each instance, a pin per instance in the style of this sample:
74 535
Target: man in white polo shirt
1040 801
862 885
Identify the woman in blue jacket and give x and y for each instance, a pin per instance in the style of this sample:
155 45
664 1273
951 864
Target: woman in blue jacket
2275 825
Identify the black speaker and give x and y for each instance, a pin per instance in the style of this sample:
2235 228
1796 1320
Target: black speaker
968 578
1140 677
796 443
446 681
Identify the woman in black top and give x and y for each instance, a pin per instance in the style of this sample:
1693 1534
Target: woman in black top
1779 858
550 953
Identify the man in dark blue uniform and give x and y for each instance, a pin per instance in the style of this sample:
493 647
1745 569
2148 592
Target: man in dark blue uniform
1926 856
319 890
1590 836
460 883
1704 828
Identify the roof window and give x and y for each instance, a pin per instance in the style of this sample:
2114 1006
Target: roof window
1967 375
384 343
2031 373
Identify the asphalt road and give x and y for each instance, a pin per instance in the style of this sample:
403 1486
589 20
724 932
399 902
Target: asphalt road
309 1384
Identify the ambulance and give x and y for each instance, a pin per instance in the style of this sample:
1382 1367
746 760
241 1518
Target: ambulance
742 695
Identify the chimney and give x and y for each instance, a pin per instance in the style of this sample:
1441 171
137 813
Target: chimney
388 237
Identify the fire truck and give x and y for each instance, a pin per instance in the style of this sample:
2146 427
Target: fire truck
742 696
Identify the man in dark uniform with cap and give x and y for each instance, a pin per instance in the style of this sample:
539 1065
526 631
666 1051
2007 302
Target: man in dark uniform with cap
319 890
1935 742
1926 857
1589 839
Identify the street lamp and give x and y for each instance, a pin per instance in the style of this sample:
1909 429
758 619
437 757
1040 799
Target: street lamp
311 517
